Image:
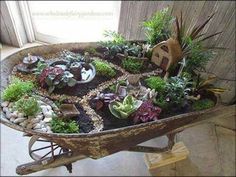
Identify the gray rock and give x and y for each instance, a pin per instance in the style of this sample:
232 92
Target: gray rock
44 129
5 103
19 120
23 124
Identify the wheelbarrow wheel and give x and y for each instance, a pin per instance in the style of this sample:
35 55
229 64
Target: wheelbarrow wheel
40 149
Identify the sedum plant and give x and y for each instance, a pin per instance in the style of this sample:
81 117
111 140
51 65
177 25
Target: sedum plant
203 104
156 83
126 108
103 68
158 28
146 112
17 89
132 65
27 105
60 126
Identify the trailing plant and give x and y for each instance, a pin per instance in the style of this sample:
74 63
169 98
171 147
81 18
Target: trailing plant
132 65
158 28
103 68
203 104
56 77
146 112
156 83
126 108
16 89
162 101
60 126
27 105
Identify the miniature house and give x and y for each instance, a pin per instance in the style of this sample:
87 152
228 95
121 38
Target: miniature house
166 53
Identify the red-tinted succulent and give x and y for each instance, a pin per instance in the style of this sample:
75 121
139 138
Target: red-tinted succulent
56 71
147 112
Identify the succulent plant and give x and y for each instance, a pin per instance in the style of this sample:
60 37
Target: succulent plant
146 112
56 77
126 108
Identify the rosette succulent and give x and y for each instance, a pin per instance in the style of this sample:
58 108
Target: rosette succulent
126 108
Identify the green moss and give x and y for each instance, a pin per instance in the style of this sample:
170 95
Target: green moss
203 104
132 65
156 83
60 126
17 89
27 105
103 68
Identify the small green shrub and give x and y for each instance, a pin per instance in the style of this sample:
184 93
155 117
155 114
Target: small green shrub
132 65
158 28
103 68
156 83
27 105
17 89
203 104
60 126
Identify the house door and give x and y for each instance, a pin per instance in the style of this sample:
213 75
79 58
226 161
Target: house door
164 63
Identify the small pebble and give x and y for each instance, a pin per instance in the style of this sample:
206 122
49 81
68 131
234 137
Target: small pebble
47 119
48 114
39 117
8 114
5 103
44 129
10 105
19 120
37 126
29 126
15 114
49 107
12 119
36 120
5 109
20 115
23 124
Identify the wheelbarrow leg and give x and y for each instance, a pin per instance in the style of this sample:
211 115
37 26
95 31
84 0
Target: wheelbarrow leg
148 149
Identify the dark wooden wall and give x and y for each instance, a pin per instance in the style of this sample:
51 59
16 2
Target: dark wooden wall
133 13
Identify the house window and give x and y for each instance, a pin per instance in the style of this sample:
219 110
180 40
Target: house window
73 21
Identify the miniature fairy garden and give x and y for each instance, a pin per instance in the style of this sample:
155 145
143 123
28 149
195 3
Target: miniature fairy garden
119 83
